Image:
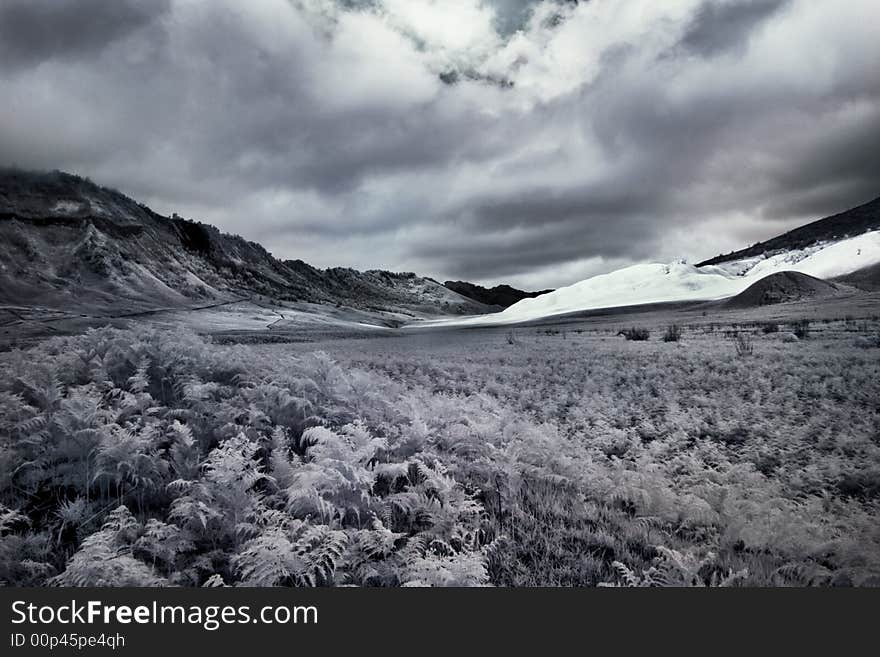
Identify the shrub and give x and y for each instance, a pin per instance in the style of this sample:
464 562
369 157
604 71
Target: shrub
222 467
801 329
868 342
635 333
770 327
744 346
673 333
864 485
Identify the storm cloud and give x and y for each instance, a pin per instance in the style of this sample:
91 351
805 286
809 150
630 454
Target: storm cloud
32 31
719 26
534 142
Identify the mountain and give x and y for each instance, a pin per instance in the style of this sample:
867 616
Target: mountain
849 260
850 223
69 244
500 295
780 288
66 242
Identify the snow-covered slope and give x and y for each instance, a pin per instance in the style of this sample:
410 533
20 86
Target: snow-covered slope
657 283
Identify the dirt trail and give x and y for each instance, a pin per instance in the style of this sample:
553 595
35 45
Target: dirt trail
281 316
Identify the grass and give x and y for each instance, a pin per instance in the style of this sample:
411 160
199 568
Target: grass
449 457
742 459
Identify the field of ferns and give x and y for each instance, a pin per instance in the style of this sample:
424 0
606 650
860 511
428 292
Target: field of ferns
146 457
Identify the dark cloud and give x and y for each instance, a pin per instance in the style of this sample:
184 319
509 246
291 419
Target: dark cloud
322 128
722 25
512 15
32 31
836 171
495 255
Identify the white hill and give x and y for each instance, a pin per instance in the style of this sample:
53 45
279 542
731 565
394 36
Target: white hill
658 283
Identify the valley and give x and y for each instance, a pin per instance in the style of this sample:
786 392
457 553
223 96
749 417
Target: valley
180 408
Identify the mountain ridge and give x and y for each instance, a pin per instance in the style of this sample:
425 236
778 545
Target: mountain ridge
851 260
500 295
849 223
66 240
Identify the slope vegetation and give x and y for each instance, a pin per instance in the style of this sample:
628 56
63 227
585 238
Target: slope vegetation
500 295
867 279
66 241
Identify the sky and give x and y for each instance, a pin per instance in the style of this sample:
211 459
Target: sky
531 142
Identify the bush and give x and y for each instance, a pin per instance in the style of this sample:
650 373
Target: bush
635 333
801 329
863 485
172 461
673 333
868 342
770 327
744 346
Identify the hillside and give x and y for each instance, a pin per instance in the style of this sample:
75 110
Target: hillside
780 288
500 295
850 223
653 283
867 279
843 248
65 241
